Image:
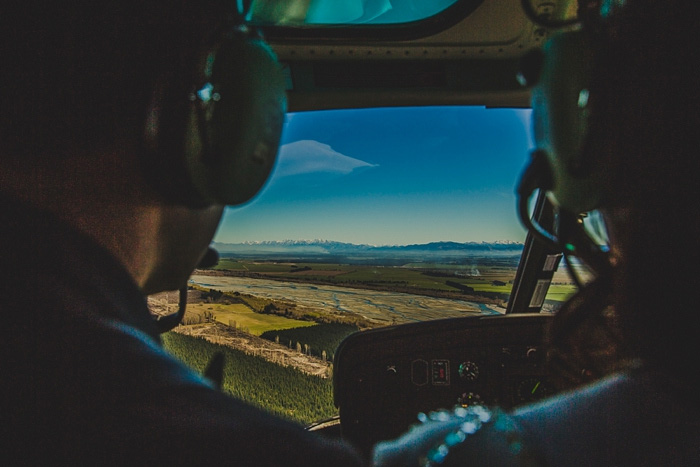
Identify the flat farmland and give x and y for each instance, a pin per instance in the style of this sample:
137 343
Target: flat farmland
240 316
492 275
414 291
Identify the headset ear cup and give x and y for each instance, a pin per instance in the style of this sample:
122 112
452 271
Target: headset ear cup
561 110
212 133
236 119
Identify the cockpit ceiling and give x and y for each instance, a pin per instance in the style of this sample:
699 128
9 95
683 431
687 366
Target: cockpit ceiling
471 61
314 85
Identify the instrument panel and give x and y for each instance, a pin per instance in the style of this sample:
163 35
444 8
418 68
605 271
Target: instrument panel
384 377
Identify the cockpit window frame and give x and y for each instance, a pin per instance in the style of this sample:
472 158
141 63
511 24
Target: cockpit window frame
369 33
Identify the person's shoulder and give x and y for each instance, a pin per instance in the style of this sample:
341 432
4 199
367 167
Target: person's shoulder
575 402
175 414
100 391
633 417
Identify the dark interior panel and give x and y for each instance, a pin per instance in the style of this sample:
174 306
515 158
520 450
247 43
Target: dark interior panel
384 377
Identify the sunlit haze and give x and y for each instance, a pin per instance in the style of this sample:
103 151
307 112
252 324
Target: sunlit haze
391 177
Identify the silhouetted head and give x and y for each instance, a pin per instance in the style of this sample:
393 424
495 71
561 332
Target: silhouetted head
646 119
171 108
630 138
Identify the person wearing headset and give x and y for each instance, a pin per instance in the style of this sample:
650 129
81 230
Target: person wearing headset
615 111
126 127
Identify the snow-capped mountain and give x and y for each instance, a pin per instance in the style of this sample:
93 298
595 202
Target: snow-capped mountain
331 248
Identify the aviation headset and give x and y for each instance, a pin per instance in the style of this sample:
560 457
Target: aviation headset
213 126
564 161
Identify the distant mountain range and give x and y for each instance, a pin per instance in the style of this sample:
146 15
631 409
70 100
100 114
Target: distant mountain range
320 248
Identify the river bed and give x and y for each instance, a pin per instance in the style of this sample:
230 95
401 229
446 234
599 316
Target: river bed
389 307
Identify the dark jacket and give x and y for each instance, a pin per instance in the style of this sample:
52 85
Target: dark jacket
84 377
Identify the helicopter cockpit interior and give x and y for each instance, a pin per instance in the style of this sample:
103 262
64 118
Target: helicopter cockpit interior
347 232
381 85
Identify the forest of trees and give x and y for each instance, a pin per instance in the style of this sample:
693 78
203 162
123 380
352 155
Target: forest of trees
282 390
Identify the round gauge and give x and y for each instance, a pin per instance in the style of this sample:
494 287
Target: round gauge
469 371
532 389
468 399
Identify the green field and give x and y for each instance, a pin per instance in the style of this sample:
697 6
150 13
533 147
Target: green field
241 316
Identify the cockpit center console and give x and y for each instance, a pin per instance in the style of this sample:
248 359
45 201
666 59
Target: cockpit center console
384 377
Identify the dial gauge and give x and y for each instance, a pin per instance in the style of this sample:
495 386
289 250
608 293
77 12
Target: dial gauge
469 371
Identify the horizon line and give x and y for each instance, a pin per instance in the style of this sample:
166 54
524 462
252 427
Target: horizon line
318 240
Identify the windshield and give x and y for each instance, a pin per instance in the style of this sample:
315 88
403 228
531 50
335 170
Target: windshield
413 200
372 217
327 12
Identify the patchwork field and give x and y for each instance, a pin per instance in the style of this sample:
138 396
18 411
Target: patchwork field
240 316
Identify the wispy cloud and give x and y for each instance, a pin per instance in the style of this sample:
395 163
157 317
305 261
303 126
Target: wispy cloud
312 157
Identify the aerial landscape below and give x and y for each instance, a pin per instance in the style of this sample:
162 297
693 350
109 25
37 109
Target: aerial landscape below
289 304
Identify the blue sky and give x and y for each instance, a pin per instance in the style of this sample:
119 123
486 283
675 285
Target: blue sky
391 177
